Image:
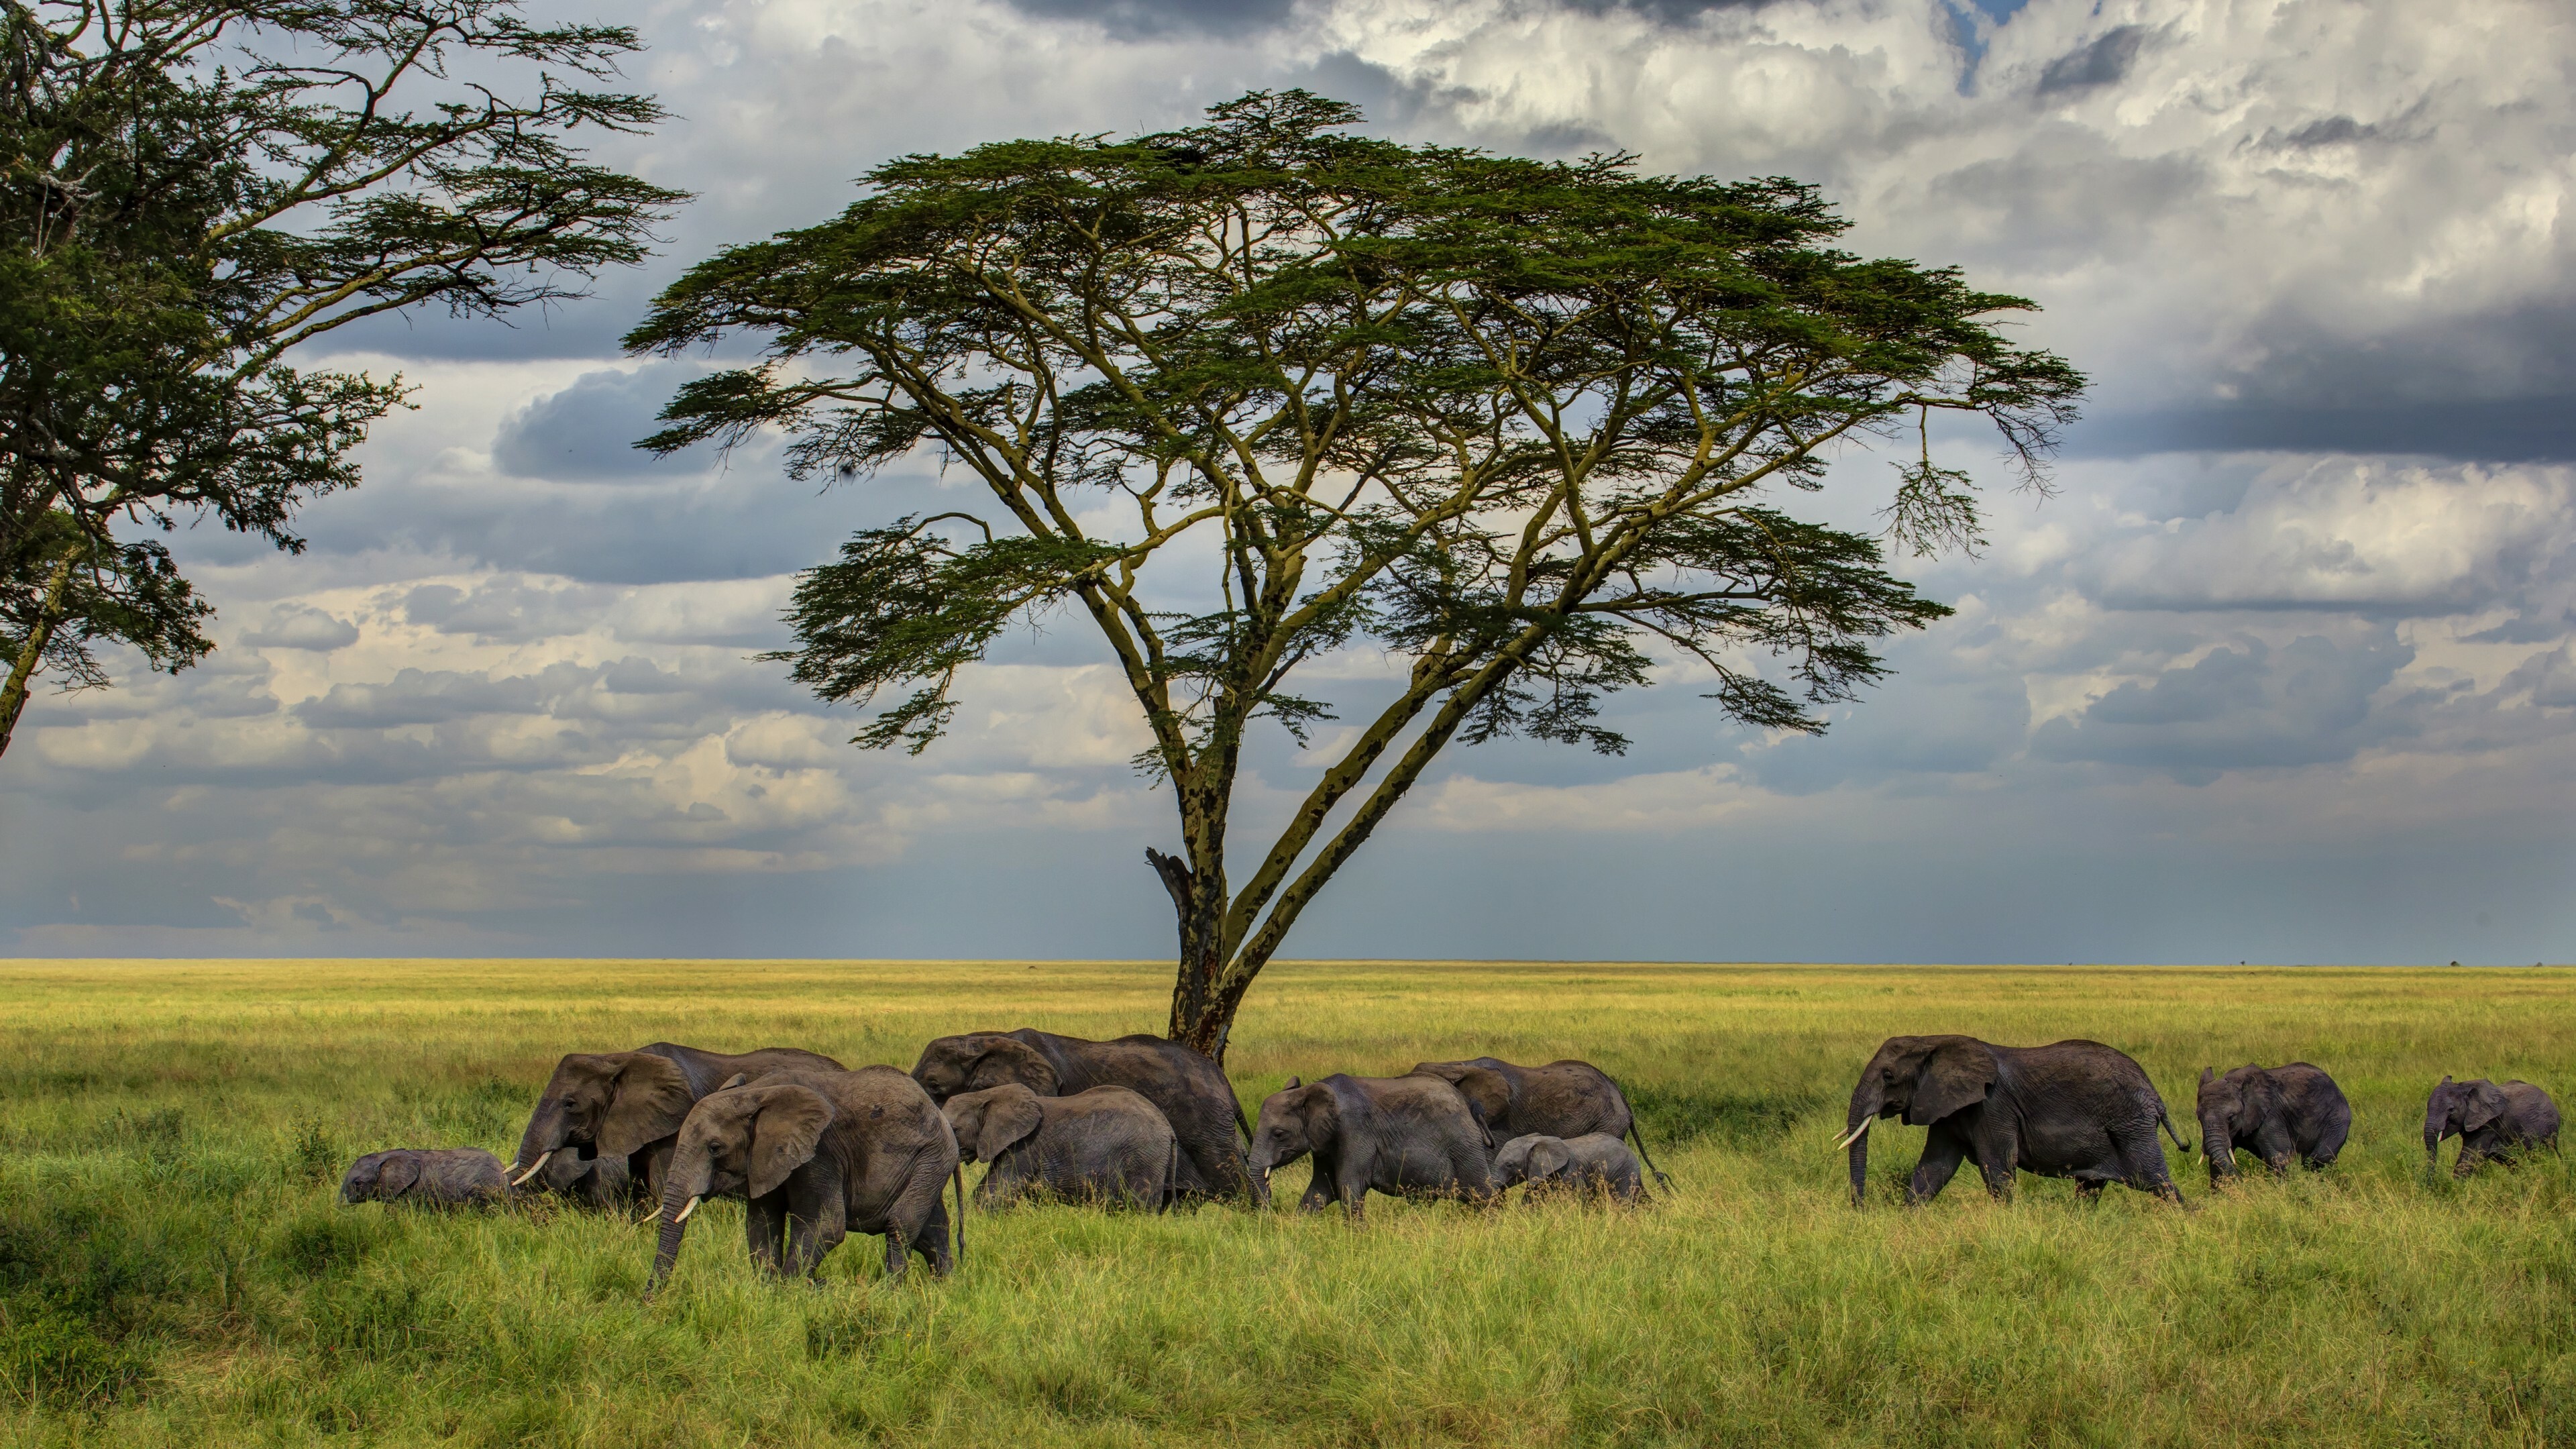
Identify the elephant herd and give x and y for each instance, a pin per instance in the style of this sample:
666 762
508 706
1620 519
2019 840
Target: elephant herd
2085 1111
816 1151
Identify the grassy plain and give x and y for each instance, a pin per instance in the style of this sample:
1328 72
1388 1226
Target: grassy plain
173 1269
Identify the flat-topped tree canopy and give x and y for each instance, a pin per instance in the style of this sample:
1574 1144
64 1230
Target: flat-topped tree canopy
1538 427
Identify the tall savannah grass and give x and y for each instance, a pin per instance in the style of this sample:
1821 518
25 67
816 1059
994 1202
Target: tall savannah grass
173 1268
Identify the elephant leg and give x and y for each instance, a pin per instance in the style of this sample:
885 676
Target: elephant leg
2088 1191
933 1242
764 1223
1323 1189
2142 1164
1218 1164
913 1217
1351 1185
1942 1154
818 1225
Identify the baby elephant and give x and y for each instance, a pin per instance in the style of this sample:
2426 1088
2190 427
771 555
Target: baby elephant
439 1176
1107 1145
2489 1120
2276 1113
1595 1164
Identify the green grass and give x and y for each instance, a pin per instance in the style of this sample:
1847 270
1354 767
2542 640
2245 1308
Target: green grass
173 1268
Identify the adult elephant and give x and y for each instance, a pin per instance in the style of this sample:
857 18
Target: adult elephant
1567 1099
630 1105
1192 1091
2074 1109
2491 1121
2276 1113
1409 1136
817 1156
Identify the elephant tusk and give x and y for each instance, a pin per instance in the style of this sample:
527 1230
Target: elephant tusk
687 1208
533 1169
1855 1134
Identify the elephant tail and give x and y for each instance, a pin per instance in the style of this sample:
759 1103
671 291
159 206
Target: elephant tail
2179 1145
1637 1135
1239 1119
1172 1174
957 1179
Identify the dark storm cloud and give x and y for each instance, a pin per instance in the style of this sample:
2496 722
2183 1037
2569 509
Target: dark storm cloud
2242 707
589 430
2502 430
2104 61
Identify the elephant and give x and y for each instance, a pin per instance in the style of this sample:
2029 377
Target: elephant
630 1104
2074 1109
816 1157
592 1182
1567 1099
1191 1091
1106 1145
2273 1112
2490 1121
436 1176
1410 1136
1595 1164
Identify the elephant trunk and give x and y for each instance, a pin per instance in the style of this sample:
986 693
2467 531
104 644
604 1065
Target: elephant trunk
2217 1143
545 1134
1866 1101
680 1194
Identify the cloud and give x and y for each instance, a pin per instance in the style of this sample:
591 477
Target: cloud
2314 539
588 431
297 627
2101 61
2238 707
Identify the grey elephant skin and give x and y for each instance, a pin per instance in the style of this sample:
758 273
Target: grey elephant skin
817 1156
601 1183
1595 1164
2276 1113
1566 1099
2493 1123
432 1176
1107 1145
1410 1136
1190 1091
630 1105
2074 1109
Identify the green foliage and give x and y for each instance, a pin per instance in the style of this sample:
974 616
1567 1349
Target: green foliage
1536 427
227 1299
189 191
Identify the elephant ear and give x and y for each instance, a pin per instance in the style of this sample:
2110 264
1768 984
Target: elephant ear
1010 1116
1007 1060
1548 1159
785 1130
1321 1111
736 1080
1485 1091
1954 1077
401 1174
2484 1105
652 1100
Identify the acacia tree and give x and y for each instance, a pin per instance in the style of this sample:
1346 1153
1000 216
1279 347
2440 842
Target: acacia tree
1533 427
192 189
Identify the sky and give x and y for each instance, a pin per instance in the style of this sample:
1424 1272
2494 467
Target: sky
2285 670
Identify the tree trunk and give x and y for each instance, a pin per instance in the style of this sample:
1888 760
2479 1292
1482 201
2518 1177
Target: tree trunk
22 674
1203 1006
